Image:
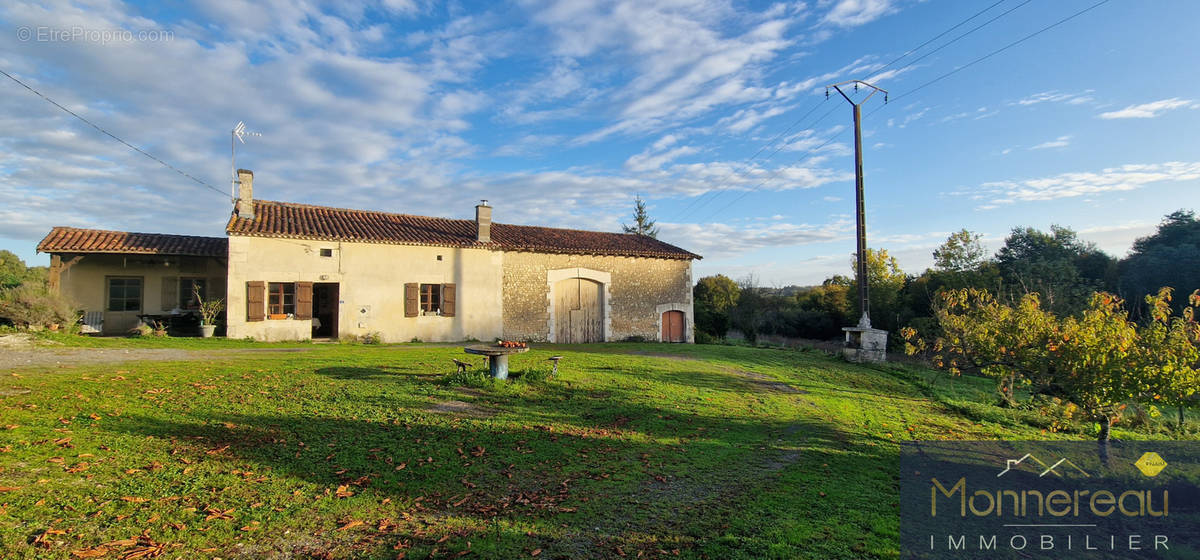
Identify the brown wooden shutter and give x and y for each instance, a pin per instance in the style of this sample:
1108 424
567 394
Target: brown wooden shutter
411 300
170 293
304 300
448 300
256 296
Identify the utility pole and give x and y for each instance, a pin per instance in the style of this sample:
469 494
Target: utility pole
860 214
863 343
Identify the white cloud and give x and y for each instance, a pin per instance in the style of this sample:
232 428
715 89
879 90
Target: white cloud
1057 97
1060 142
852 13
650 160
685 58
1147 110
1069 185
719 240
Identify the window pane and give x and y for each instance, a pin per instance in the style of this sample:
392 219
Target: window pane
431 297
124 294
281 297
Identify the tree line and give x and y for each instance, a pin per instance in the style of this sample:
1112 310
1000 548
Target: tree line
1048 312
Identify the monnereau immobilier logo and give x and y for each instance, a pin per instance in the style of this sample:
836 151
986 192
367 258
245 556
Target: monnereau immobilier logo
1060 500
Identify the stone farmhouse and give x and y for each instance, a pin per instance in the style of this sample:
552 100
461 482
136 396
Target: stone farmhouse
295 271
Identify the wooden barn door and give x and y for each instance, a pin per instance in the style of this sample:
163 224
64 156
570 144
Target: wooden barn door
673 329
578 311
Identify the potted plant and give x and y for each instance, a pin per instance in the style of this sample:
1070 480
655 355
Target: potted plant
209 311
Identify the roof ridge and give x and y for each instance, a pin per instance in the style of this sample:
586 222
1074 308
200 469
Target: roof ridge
119 232
384 212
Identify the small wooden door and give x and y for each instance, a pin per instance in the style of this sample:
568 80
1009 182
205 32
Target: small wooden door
578 311
673 327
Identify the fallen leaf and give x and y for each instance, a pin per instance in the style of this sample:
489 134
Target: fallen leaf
350 525
535 552
134 499
90 552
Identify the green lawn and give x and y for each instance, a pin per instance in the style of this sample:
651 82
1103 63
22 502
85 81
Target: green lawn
349 451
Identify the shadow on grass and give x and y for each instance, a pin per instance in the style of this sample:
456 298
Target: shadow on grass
367 373
588 474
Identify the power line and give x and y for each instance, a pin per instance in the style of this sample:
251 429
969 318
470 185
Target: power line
939 36
777 171
999 50
717 192
113 136
682 213
956 39
931 82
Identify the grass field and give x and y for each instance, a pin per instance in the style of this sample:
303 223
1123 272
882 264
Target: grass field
350 451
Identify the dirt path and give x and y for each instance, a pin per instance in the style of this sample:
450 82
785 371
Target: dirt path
23 354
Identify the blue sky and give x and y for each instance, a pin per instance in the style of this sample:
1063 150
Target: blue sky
561 112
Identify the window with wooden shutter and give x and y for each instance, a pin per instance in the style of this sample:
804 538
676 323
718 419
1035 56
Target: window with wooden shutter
411 300
304 297
256 296
449 295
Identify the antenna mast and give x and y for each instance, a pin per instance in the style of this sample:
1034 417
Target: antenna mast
236 135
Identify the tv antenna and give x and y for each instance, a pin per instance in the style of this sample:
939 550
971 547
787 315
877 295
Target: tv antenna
239 133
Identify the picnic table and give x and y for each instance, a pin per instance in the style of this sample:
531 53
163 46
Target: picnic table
497 357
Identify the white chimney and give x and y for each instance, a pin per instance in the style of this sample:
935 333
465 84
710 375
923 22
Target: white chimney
245 204
483 222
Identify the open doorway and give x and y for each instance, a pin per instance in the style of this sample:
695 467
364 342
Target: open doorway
325 310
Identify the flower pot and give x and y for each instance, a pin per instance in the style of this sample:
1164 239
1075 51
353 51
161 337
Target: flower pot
206 331
277 316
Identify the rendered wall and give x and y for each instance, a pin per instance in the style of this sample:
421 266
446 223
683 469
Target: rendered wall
84 283
371 280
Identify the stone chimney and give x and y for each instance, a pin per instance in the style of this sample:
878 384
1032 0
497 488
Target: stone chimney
483 222
245 203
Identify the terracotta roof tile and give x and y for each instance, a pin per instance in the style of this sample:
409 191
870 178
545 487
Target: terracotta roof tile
302 221
76 240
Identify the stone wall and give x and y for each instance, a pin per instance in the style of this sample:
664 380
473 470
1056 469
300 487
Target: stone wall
638 288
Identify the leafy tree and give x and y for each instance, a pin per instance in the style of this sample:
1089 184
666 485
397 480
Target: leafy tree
1059 267
642 224
1168 258
885 280
1172 352
831 298
1094 359
12 269
963 251
719 292
714 297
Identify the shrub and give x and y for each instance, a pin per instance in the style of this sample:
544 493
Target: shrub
34 306
705 338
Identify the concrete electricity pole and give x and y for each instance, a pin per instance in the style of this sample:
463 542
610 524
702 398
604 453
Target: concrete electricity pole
863 343
860 214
